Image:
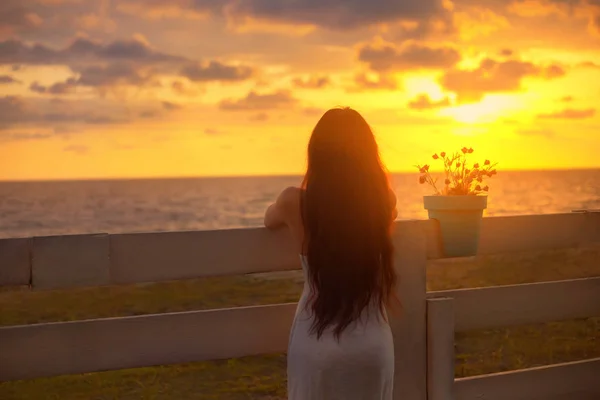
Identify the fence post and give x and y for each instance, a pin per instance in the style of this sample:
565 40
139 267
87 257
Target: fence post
409 327
440 349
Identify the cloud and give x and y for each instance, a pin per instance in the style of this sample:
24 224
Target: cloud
570 113
373 81
334 14
7 79
114 74
167 9
12 111
76 148
57 88
548 133
260 117
216 71
83 51
312 82
23 136
16 111
389 57
589 64
566 99
594 19
561 8
325 14
182 89
54 18
16 17
120 62
540 8
313 111
424 102
169 106
259 102
478 21
491 76
213 131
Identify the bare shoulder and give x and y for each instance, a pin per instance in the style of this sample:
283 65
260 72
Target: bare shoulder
290 198
392 197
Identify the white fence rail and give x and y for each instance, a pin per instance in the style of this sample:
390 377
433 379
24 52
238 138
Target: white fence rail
424 336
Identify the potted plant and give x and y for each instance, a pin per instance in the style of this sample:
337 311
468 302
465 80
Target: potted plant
459 205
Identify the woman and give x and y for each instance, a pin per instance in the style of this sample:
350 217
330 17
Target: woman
341 344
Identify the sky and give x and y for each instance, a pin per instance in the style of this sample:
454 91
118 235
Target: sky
165 88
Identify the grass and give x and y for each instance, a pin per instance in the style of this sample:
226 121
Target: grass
263 377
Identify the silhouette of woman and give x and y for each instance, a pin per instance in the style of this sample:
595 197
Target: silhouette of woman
341 218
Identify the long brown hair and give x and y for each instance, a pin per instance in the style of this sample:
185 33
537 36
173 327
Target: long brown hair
347 217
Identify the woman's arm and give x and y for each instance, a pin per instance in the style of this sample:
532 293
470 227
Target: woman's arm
278 213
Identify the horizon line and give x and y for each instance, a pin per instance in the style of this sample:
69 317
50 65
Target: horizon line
181 177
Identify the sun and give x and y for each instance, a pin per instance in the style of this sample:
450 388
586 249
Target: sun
490 109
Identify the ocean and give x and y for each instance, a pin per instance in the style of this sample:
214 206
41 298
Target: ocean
117 206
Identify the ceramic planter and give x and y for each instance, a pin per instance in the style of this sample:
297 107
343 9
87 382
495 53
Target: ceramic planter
460 222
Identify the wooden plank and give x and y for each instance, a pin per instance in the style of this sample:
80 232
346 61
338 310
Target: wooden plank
70 261
433 238
575 380
409 327
149 257
15 262
522 233
154 257
115 343
499 306
536 232
440 349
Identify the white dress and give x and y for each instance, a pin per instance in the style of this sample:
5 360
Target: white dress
359 367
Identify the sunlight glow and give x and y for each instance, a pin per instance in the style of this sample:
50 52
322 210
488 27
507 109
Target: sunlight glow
490 109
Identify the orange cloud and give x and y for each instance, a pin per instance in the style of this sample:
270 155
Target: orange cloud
537 132
478 21
570 113
312 82
424 102
7 79
256 101
335 14
159 9
383 56
373 81
538 8
15 16
493 76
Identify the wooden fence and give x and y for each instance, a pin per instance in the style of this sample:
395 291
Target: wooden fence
424 336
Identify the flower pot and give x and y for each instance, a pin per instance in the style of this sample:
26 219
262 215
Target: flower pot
460 222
